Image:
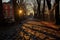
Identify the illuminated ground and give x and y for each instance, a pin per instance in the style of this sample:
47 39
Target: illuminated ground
31 30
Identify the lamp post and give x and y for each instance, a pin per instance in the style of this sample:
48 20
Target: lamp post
17 4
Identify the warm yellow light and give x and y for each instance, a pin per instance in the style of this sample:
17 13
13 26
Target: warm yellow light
20 11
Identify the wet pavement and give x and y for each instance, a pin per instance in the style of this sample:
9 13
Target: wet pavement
29 30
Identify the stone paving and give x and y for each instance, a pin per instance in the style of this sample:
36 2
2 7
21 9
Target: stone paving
31 30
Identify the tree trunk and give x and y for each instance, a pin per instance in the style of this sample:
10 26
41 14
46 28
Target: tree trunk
49 8
38 9
43 10
57 12
1 9
49 4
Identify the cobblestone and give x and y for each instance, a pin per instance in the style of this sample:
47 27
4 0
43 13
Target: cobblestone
30 32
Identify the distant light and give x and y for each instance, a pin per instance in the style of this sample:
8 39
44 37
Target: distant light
41 1
20 11
28 14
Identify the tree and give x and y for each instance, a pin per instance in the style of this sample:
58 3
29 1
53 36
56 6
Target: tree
38 9
49 4
57 12
1 14
43 9
49 8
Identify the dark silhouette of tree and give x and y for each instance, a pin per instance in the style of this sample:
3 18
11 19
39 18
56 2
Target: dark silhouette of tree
49 8
57 12
38 9
43 9
49 4
1 9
